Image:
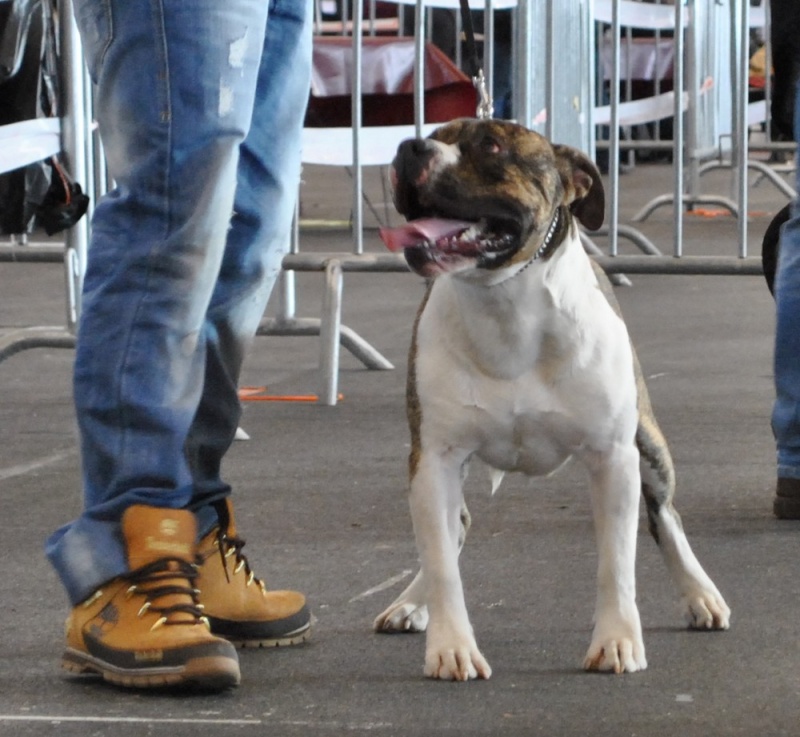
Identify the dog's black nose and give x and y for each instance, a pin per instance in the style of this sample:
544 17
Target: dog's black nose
418 146
413 156
409 171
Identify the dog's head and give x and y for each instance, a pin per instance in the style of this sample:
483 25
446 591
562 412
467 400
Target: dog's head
488 194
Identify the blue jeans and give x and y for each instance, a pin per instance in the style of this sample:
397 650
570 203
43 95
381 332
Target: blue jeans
786 411
200 109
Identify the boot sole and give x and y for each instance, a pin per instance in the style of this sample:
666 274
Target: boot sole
785 507
201 674
292 638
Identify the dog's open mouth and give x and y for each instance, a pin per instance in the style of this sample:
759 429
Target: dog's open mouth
434 245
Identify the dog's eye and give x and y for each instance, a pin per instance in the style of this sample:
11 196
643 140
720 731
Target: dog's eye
491 145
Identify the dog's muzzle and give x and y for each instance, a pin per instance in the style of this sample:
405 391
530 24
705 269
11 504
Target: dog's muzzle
436 245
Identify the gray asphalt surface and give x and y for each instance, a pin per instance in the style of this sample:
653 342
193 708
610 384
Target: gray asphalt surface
320 496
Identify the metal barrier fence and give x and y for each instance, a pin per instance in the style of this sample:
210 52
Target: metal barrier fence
71 137
705 41
711 117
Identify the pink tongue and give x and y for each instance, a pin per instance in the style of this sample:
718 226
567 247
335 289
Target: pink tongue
424 230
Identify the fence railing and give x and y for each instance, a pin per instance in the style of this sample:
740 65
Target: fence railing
573 76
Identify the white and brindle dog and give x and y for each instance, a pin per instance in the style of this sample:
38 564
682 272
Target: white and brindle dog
521 358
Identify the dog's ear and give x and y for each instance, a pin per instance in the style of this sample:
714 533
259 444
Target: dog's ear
582 184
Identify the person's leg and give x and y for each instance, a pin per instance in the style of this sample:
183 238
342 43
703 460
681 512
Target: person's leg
786 410
267 189
176 86
237 603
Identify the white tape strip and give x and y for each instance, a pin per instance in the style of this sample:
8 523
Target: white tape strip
641 111
28 142
474 4
758 16
639 15
756 112
378 144
648 109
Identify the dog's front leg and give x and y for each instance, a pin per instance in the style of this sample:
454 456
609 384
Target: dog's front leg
436 500
617 643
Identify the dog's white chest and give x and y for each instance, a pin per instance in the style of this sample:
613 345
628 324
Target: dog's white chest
523 385
533 440
513 425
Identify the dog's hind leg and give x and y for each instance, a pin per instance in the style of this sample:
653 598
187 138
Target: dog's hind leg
702 604
409 611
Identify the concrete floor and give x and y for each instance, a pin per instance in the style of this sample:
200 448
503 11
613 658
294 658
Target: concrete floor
320 493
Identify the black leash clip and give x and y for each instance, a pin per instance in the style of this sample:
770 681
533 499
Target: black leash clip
485 102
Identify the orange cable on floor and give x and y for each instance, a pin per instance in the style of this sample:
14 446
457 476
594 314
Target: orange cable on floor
711 212
257 394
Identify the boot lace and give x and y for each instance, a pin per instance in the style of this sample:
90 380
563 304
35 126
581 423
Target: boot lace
231 547
164 578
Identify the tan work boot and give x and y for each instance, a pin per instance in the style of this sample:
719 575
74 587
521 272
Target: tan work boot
146 629
236 602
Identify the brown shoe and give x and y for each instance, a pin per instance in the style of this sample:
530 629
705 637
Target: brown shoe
787 499
236 602
146 629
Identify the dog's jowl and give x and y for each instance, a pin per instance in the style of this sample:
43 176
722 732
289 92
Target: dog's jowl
521 358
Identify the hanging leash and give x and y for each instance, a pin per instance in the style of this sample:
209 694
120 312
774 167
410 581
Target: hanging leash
474 68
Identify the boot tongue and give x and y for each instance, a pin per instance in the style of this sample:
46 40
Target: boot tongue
424 230
227 520
153 533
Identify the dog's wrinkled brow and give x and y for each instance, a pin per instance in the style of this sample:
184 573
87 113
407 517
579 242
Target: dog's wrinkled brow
525 143
450 133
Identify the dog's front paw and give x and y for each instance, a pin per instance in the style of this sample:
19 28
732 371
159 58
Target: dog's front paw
620 656
706 610
617 648
402 616
459 660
